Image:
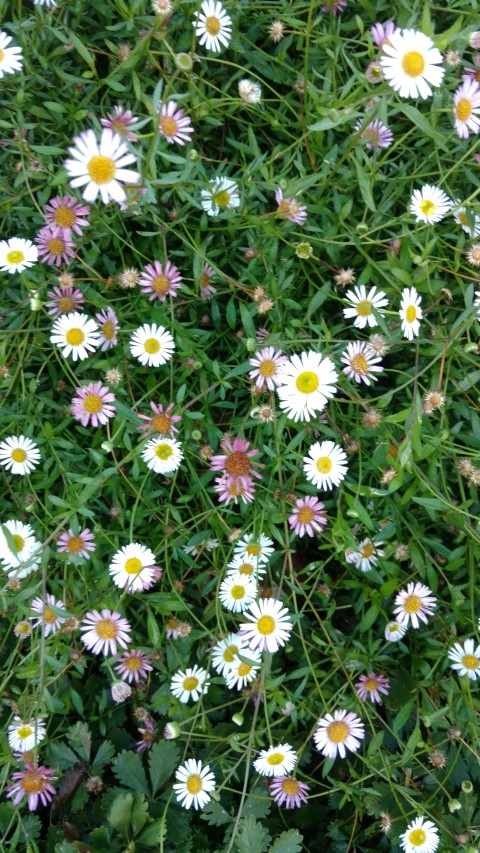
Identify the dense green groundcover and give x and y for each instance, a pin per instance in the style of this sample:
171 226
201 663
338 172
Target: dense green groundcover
409 497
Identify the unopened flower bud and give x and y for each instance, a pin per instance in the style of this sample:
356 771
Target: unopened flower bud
171 731
183 61
196 435
121 691
194 155
454 806
237 719
467 786
251 344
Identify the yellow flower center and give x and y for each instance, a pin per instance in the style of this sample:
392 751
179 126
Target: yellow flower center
75 337
413 63
18 455
427 206
393 628
237 464
338 732
229 654
151 345
222 198
463 109
275 759
359 364
205 280
56 245
2 56
23 628
266 625
18 542
92 404
364 308
417 837
470 661
267 368
133 664
307 382
64 217
367 550
289 207
290 787
161 423
194 784
108 330
411 314
101 169
161 284
462 216
65 304
75 544
106 629
133 566
32 782
24 731
305 515
246 569
49 616
253 550
212 25
190 683
412 604
324 464
15 257
237 592
168 125
243 669
371 684
164 452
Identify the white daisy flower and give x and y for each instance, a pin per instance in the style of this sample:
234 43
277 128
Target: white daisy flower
50 4
10 57
410 312
410 62
17 254
276 761
259 548
163 455
414 603
367 555
19 455
460 215
326 464
466 106
361 305
237 592
194 784
268 625
421 836
394 631
190 684
225 651
133 567
243 669
213 25
335 735
76 335
362 363
466 659
243 565
307 382
19 548
152 345
101 167
250 91
45 616
22 737
430 204
222 194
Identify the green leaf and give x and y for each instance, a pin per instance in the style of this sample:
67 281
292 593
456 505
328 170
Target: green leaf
364 184
252 837
402 716
287 842
163 758
215 814
103 756
120 813
129 771
420 121
82 50
153 834
139 812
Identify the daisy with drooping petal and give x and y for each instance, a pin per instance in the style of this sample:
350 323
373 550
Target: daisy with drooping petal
213 25
410 313
308 517
47 618
307 382
376 134
225 651
222 194
382 32
421 836
21 551
326 464
266 363
362 305
67 213
107 328
207 289
174 125
466 659
55 246
194 784
103 631
370 687
237 592
190 684
163 455
159 282
268 627
101 167
338 733
161 422
133 665
245 566
362 363
19 455
121 121
394 632
80 544
367 555
466 106
64 300
76 335
289 792
10 57
22 737
290 209
16 254
34 783
259 548
276 761
229 489
411 64
133 567
414 603
92 405
430 204
152 345
460 215
243 669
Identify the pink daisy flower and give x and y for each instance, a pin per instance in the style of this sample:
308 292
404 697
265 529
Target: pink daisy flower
67 213
266 364
207 290
376 134
160 282
103 631
34 783
133 665
370 687
64 300
382 32
362 363
309 517
80 544
148 734
120 122
289 792
49 620
93 404
290 209
234 490
174 125
54 245
161 422
334 6
466 108
236 462
107 327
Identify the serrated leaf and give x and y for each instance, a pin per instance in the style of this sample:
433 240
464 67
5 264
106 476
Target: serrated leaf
129 771
215 814
103 756
287 842
252 836
120 813
153 834
139 812
163 758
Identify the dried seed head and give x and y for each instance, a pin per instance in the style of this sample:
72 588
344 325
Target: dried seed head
385 822
465 467
276 31
94 785
401 552
387 476
437 759
372 418
344 277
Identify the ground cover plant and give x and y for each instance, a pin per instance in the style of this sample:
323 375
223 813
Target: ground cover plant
240 434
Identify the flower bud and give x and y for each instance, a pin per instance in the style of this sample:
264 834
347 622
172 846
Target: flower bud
194 155
251 344
121 691
171 731
237 719
196 435
454 806
467 786
183 61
